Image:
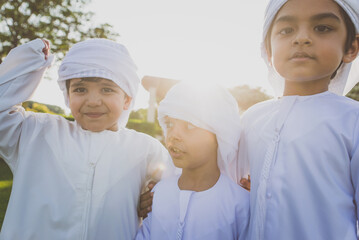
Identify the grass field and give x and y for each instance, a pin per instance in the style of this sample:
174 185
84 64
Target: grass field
5 188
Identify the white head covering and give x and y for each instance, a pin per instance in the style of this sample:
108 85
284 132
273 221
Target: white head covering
212 108
101 58
347 75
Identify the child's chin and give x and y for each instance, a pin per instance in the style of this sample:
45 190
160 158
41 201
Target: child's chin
99 127
94 128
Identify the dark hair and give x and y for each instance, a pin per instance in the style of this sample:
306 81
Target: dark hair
349 25
351 33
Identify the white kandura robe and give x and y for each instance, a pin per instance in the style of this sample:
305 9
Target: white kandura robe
219 213
69 183
303 153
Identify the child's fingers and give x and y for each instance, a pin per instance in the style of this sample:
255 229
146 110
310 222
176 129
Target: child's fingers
143 213
144 208
146 201
245 183
145 205
46 49
151 185
146 195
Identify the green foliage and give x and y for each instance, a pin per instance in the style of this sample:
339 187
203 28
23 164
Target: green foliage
139 114
354 93
5 188
149 128
63 22
46 108
138 122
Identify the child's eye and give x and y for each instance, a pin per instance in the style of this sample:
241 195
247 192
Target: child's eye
190 126
79 90
107 90
322 28
286 31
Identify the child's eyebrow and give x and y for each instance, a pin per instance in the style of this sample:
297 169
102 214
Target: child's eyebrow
285 18
318 17
77 84
109 84
324 16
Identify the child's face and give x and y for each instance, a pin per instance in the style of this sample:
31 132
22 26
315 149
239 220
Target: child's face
97 105
190 147
308 40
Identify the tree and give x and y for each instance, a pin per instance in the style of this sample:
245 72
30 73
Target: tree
246 96
354 93
63 22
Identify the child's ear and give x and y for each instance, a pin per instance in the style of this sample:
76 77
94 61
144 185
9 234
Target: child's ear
352 53
127 102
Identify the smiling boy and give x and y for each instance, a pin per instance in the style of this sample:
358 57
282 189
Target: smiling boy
81 179
94 113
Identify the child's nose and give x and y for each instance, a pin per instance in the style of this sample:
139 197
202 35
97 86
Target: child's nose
302 38
94 99
174 133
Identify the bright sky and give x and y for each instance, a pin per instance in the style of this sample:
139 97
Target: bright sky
189 40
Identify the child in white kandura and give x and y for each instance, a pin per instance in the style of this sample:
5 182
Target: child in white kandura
81 179
201 127
302 148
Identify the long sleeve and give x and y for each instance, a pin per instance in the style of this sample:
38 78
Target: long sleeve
355 167
20 74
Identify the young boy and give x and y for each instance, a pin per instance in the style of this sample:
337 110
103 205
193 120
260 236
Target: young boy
82 179
303 148
204 202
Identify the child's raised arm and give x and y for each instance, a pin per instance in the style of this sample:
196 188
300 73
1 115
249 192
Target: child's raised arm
20 74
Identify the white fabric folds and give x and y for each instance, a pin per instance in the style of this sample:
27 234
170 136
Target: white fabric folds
105 59
347 75
210 107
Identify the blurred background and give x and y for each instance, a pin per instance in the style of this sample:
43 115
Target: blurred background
206 41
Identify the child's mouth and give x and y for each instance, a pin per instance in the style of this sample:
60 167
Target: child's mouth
301 56
175 152
94 115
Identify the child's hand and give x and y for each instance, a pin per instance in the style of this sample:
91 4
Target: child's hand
246 183
46 49
145 205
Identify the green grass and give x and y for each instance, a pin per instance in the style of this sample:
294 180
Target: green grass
5 188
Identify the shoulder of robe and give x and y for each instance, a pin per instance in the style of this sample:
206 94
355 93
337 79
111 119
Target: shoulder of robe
235 199
166 184
344 105
141 137
256 110
235 189
351 102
